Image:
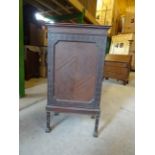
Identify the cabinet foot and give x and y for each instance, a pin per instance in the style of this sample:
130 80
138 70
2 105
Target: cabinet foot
48 119
96 126
48 130
95 134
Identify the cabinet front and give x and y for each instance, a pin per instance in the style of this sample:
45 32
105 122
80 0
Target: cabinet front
73 70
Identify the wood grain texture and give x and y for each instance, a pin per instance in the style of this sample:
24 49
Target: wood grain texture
117 67
75 70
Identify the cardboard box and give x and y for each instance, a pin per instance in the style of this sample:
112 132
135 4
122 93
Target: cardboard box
129 29
122 43
128 25
123 37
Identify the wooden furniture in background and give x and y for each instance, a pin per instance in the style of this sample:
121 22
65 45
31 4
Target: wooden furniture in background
43 62
117 67
31 64
75 68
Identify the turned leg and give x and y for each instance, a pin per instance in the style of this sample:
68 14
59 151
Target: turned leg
96 126
48 119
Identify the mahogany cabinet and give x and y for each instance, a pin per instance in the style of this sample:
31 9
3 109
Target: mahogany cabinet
75 69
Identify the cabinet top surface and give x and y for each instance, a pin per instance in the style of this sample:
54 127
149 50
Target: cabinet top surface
79 26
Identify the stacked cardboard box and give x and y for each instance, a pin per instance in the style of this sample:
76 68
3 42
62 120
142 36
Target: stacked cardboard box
128 23
121 44
124 44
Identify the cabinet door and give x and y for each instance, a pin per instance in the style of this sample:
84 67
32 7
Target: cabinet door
74 70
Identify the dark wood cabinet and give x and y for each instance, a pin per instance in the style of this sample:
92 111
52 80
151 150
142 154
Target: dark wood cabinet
75 69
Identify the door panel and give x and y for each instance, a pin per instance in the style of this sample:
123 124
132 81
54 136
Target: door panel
75 70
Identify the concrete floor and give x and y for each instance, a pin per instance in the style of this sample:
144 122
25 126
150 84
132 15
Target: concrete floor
72 133
34 82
